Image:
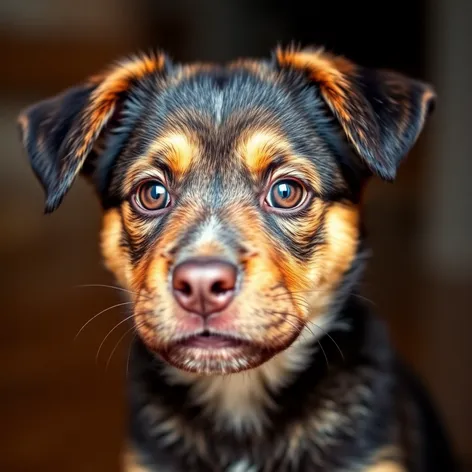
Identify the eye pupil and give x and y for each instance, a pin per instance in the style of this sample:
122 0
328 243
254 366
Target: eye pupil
284 191
157 191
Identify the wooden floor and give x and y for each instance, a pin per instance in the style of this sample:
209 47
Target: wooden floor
61 410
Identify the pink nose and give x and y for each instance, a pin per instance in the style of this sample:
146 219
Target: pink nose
204 286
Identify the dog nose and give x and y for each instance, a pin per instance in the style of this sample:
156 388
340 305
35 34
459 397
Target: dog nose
204 286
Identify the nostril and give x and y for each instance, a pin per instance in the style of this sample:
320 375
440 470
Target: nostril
220 287
184 288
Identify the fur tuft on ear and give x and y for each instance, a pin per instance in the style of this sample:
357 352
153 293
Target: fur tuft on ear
381 112
60 132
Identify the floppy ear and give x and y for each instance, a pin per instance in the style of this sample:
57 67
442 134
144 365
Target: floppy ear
381 112
59 133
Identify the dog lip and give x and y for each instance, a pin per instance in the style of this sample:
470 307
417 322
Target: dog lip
210 340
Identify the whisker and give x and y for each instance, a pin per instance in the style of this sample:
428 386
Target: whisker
300 300
134 327
301 332
324 331
361 297
100 313
114 287
330 337
108 335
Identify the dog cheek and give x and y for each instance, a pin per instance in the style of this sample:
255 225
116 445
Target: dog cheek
306 237
114 254
333 260
267 311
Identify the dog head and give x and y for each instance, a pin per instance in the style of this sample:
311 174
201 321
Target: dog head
231 194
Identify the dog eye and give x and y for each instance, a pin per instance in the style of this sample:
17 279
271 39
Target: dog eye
152 196
286 194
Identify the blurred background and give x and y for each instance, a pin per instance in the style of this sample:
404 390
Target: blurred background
61 409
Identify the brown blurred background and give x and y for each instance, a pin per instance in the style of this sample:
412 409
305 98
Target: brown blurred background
61 410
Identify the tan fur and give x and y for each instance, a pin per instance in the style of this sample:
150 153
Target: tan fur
259 147
104 98
115 257
174 149
386 466
386 459
328 269
130 462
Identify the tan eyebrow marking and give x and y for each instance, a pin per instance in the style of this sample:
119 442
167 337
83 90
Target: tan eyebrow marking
176 150
259 149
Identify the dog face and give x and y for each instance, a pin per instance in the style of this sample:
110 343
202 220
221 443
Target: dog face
231 195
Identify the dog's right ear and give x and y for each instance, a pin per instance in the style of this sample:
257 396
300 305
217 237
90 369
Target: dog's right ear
59 133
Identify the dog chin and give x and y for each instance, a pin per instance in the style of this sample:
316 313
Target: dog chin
220 361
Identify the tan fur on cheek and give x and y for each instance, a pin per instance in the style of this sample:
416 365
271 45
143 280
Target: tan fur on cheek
341 230
115 257
342 234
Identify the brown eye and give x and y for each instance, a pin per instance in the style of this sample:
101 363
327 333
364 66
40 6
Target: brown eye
286 194
152 196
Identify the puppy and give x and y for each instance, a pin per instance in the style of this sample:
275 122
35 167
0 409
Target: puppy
232 213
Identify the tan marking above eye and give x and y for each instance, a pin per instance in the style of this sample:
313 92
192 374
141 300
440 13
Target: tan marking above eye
259 149
176 150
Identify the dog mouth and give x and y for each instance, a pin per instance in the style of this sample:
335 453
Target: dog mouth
210 352
210 341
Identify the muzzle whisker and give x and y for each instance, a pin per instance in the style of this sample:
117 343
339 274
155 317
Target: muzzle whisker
100 313
325 332
134 327
114 287
300 330
109 333
330 337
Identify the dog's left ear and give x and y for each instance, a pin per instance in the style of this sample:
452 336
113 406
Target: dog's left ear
381 112
60 133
